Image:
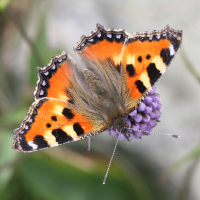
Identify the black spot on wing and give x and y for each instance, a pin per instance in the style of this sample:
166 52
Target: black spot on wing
130 70
165 55
24 144
40 141
54 118
48 125
153 73
140 86
61 136
148 57
139 59
68 113
176 43
78 129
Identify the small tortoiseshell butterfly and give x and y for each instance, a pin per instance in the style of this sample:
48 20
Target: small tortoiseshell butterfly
71 104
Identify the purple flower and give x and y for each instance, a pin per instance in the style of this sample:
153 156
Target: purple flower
145 117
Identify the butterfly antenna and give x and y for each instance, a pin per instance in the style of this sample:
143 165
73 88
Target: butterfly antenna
175 136
104 180
88 144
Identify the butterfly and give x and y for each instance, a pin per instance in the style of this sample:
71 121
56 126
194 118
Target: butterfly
72 104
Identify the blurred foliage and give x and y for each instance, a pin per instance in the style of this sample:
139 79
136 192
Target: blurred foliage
194 154
3 4
189 65
67 172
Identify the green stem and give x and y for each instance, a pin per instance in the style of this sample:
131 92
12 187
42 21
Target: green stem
193 154
189 65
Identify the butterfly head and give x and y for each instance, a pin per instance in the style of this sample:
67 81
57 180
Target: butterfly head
122 126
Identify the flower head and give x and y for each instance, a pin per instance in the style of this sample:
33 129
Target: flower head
145 117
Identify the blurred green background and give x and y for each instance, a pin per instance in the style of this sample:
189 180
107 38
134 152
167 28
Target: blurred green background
154 168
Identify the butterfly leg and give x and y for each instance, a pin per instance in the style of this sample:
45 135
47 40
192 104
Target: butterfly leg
126 133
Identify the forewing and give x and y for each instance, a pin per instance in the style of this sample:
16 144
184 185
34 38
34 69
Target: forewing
101 46
63 110
54 79
102 53
145 58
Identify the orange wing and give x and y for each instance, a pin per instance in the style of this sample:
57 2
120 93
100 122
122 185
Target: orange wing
61 112
54 78
51 122
102 54
103 45
145 58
